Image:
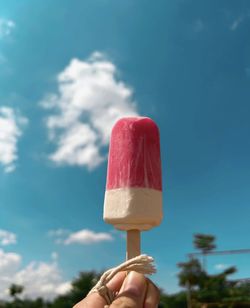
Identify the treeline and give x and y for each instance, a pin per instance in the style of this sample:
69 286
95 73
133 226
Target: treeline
201 290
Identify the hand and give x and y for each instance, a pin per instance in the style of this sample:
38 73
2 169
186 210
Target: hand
135 291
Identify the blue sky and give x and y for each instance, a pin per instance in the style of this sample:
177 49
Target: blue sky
68 70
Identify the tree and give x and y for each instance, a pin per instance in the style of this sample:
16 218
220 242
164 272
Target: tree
80 288
190 276
173 301
15 290
203 287
205 243
214 288
191 273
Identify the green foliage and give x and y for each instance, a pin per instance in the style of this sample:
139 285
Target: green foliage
27 303
15 290
80 288
191 273
204 242
205 290
216 290
173 301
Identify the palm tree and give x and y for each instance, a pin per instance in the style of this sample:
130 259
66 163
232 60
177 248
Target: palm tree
205 243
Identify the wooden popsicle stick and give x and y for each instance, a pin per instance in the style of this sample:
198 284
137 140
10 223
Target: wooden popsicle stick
133 244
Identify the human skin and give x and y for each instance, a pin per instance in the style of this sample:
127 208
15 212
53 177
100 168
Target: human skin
134 291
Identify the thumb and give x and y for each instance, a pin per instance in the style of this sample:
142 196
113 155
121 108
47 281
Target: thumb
132 293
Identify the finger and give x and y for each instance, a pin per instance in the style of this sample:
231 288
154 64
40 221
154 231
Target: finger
132 293
94 300
152 296
116 282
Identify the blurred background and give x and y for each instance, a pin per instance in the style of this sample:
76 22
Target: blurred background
68 71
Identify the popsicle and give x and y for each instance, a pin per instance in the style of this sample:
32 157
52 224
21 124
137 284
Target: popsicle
133 197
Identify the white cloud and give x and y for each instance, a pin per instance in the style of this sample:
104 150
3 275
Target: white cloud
7 238
9 263
87 237
6 27
221 267
40 279
82 237
11 124
90 99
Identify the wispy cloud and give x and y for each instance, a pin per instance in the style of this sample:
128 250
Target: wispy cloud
221 266
58 233
11 123
90 99
82 237
237 22
40 279
54 256
6 27
7 238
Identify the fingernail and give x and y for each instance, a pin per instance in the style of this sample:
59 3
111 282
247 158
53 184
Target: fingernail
135 284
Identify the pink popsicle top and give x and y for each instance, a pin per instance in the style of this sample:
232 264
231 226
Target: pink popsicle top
134 155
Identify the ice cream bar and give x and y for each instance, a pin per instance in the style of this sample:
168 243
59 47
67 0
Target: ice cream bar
133 197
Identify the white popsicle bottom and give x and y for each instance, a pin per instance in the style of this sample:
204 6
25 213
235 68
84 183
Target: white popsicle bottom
133 208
